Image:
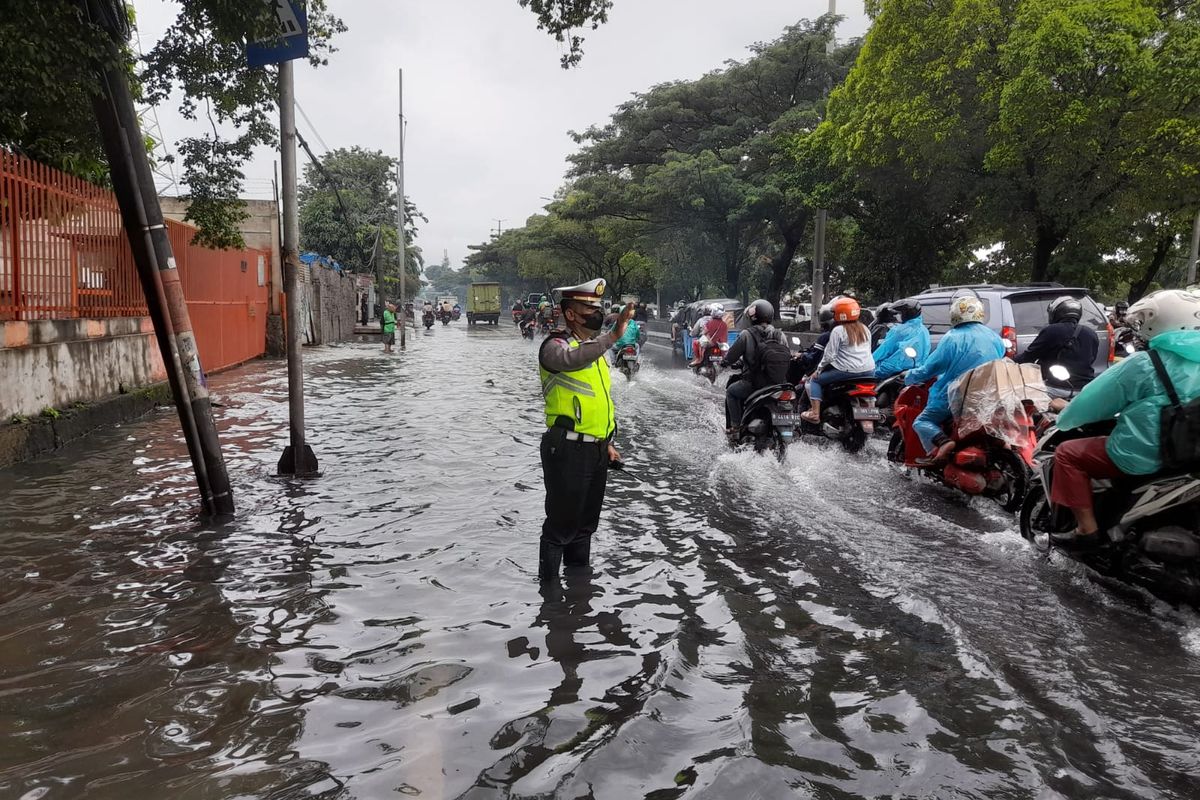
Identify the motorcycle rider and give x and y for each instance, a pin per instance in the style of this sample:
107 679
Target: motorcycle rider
1065 342
1118 316
631 336
889 356
1132 392
528 319
763 366
965 346
847 355
712 325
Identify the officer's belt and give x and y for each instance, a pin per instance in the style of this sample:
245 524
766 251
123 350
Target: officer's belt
576 436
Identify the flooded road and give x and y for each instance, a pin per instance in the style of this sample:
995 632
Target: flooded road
824 628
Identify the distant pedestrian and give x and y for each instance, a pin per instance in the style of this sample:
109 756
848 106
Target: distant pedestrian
362 309
389 327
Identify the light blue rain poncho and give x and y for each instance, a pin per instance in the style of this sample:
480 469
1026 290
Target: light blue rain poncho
889 356
964 347
1133 390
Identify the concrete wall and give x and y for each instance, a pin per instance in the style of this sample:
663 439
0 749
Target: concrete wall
57 363
333 306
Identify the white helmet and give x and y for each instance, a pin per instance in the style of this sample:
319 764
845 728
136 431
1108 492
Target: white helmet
967 308
716 309
1164 311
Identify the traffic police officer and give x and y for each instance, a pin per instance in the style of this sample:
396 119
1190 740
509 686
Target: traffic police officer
580 422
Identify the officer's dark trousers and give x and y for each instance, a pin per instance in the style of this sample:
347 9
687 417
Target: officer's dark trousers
736 395
575 474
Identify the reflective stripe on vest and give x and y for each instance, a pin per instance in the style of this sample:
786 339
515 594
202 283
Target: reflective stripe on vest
582 395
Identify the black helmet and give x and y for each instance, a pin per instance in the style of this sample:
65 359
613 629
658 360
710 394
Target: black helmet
760 312
1121 306
826 318
1065 309
885 313
907 309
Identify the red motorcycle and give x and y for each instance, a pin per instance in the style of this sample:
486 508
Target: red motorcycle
983 464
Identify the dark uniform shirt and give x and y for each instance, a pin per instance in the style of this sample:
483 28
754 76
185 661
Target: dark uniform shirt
1066 343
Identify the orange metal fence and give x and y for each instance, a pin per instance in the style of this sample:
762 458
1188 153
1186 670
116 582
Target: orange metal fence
64 255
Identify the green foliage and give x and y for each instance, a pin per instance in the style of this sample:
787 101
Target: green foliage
560 17
348 212
51 413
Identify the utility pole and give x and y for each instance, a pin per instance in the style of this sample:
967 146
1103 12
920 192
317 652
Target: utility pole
499 226
298 458
1195 254
402 239
142 218
818 278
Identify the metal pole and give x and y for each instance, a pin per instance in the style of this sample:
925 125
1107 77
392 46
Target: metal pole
400 228
1195 254
154 258
830 44
818 281
298 458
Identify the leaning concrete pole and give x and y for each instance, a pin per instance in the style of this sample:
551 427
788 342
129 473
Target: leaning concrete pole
142 219
402 240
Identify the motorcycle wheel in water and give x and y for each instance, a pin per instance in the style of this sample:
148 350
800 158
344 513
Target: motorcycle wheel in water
527 331
445 319
1151 525
769 420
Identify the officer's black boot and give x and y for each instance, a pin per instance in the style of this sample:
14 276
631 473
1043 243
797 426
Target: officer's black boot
577 556
550 557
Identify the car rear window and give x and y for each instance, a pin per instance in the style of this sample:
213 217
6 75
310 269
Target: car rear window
1030 313
936 313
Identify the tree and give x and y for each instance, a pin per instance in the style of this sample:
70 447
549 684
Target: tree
348 212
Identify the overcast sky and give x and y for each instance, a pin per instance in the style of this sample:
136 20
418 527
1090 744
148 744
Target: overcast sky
487 103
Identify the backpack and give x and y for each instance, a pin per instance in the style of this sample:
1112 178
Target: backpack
1179 426
770 358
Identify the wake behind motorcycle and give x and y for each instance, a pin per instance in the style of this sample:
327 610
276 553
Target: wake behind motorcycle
1150 524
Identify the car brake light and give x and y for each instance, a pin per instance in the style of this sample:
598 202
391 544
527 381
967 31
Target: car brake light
1112 344
1009 335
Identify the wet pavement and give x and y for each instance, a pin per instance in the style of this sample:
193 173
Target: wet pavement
824 628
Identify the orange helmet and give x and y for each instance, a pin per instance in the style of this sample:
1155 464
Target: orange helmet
846 309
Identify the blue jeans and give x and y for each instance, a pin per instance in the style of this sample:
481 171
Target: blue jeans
818 384
929 423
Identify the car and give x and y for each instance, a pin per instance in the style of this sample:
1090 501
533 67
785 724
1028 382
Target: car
1017 313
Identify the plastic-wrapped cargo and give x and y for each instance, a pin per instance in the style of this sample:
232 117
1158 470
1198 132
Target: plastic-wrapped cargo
997 397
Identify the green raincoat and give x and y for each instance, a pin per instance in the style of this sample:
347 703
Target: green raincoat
1132 390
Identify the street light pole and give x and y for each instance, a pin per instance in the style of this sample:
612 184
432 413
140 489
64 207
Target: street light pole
400 229
1195 254
818 277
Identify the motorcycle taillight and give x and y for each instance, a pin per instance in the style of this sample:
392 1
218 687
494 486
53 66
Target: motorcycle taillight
786 394
861 389
631 351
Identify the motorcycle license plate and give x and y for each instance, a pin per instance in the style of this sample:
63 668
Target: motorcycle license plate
785 419
867 412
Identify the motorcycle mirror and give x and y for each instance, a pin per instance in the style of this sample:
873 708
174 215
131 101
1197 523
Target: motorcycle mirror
911 352
1059 372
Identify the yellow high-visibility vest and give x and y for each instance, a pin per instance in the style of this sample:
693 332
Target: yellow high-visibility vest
582 396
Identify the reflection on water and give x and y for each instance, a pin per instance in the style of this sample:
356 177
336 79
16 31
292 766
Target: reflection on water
823 628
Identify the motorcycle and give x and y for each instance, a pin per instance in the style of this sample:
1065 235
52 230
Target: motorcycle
528 329
711 354
1126 342
769 420
544 325
848 413
981 464
1151 523
427 319
628 361
456 313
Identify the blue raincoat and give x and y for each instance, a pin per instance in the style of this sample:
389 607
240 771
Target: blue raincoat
963 348
1133 390
889 356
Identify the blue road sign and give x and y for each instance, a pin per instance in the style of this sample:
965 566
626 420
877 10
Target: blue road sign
293 37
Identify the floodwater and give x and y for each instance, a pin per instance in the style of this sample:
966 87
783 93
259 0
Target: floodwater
825 628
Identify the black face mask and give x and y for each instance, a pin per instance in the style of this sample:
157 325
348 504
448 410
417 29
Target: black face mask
594 320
